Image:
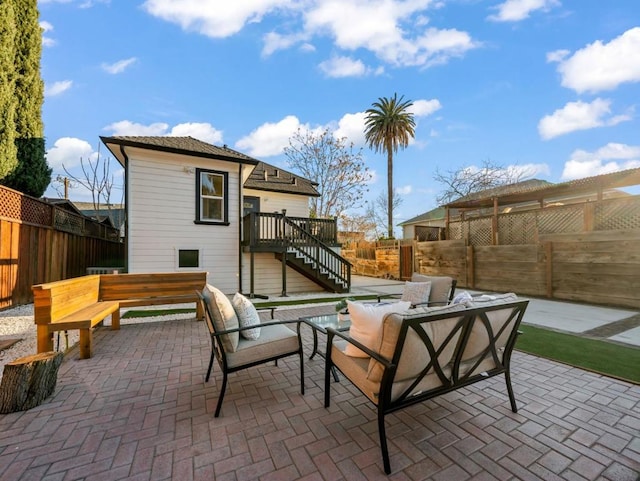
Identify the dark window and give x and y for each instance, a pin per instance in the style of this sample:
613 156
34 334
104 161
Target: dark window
212 203
188 258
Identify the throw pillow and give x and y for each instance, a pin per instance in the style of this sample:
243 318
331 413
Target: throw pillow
366 321
224 316
440 287
247 316
416 292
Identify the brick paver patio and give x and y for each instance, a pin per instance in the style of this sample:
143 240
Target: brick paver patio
140 410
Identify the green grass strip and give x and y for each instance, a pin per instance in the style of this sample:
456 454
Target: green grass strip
595 355
155 312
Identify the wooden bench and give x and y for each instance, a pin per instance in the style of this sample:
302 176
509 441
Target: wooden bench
84 302
425 352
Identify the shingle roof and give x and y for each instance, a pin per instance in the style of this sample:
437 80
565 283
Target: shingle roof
517 187
437 213
180 145
267 177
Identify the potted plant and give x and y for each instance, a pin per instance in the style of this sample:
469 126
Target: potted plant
341 307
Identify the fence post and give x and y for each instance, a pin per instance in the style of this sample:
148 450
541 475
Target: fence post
471 275
548 248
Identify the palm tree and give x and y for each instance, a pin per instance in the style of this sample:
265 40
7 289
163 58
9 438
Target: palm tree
389 125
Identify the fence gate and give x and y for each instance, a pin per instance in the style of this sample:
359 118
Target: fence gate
406 262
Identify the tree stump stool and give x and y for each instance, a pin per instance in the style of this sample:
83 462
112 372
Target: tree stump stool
28 381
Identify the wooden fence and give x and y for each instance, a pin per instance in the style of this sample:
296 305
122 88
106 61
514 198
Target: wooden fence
42 243
585 253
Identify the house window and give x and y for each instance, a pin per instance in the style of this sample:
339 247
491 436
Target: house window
188 258
212 197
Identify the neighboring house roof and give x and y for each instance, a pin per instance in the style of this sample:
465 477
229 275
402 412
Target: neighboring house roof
598 183
176 145
530 185
115 212
434 214
65 204
274 179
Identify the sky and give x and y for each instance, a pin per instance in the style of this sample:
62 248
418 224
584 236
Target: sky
547 86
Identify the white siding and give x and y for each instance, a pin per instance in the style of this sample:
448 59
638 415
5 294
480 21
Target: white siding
162 210
296 205
268 277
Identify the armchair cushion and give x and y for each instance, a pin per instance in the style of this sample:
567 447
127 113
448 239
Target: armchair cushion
416 292
274 340
366 320
247 316
224 316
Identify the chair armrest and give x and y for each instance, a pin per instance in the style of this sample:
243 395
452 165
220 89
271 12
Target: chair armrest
389 296
272 309
331 332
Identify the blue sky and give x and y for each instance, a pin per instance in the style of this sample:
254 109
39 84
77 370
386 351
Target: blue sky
550 86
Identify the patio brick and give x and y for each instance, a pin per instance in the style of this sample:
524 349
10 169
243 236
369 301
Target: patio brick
140 410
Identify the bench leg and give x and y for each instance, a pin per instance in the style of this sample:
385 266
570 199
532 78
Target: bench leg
199 311
45 339
86 342
115 320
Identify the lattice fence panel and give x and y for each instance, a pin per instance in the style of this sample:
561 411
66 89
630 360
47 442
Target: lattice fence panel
556 220
455 231
517 228
14 205
617 214
68 222
480 232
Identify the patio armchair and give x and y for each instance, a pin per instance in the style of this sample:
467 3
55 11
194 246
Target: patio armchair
234 352
440 292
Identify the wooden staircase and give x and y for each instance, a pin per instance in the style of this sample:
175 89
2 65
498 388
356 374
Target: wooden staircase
292 242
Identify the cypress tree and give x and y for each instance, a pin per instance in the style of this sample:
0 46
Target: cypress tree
32 175
8 156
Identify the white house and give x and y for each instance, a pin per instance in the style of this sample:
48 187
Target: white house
191 205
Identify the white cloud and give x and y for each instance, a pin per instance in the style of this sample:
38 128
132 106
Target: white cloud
126 127
68 151
603 66
579 116
351 126
557 55
213 18
56 88
610 158
393 30
516 10
47 41
404 190
338 66
119 66
270 138
423 108
201 131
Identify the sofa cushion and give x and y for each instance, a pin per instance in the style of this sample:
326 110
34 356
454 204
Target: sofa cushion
415 355
440 287
247 316
416 292
366 319
479 340
224 316
275 340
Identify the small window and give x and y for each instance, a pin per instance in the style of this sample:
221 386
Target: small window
188 258
211 197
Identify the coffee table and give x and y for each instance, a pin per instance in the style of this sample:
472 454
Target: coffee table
321 323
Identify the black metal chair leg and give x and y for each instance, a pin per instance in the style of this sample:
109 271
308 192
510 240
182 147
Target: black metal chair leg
222 390
210 367
301 372
512 398
383 443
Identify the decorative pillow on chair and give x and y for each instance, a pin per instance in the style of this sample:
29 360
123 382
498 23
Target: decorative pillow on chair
224 316
416 292
366 321
247 316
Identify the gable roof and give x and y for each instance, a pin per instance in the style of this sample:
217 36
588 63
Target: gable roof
434 214
501 190
274 179
175 145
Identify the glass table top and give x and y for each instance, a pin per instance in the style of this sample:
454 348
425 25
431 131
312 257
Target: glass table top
342 323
